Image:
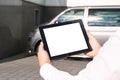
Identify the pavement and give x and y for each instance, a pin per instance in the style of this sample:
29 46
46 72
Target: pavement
22 67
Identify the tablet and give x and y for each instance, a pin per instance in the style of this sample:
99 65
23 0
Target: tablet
65 38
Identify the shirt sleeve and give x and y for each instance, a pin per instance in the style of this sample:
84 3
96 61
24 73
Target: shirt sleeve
49 72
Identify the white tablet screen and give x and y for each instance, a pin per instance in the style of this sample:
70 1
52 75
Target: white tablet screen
65 39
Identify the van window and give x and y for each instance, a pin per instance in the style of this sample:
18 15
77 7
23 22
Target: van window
104 17
71 15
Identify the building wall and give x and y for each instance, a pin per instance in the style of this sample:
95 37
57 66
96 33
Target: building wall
10 28
55 3
51 11
40 2
11 2
53 7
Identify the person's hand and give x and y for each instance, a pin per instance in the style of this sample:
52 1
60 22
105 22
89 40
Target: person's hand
94 44
43 56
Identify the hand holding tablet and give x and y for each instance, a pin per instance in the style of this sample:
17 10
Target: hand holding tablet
64 38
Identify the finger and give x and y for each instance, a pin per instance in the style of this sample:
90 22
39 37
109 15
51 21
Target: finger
88 33
41 47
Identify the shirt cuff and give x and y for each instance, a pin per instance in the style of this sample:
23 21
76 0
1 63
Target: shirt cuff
47 69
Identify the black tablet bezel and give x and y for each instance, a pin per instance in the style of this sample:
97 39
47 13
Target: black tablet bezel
41 29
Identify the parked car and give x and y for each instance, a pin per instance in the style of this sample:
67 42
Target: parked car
100 21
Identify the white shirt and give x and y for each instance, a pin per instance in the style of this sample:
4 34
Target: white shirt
104 66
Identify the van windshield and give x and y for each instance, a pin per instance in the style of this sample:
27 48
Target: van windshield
71 15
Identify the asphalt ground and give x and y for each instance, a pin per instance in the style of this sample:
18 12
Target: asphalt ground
24 67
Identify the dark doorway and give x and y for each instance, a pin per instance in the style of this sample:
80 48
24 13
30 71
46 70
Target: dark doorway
37 17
